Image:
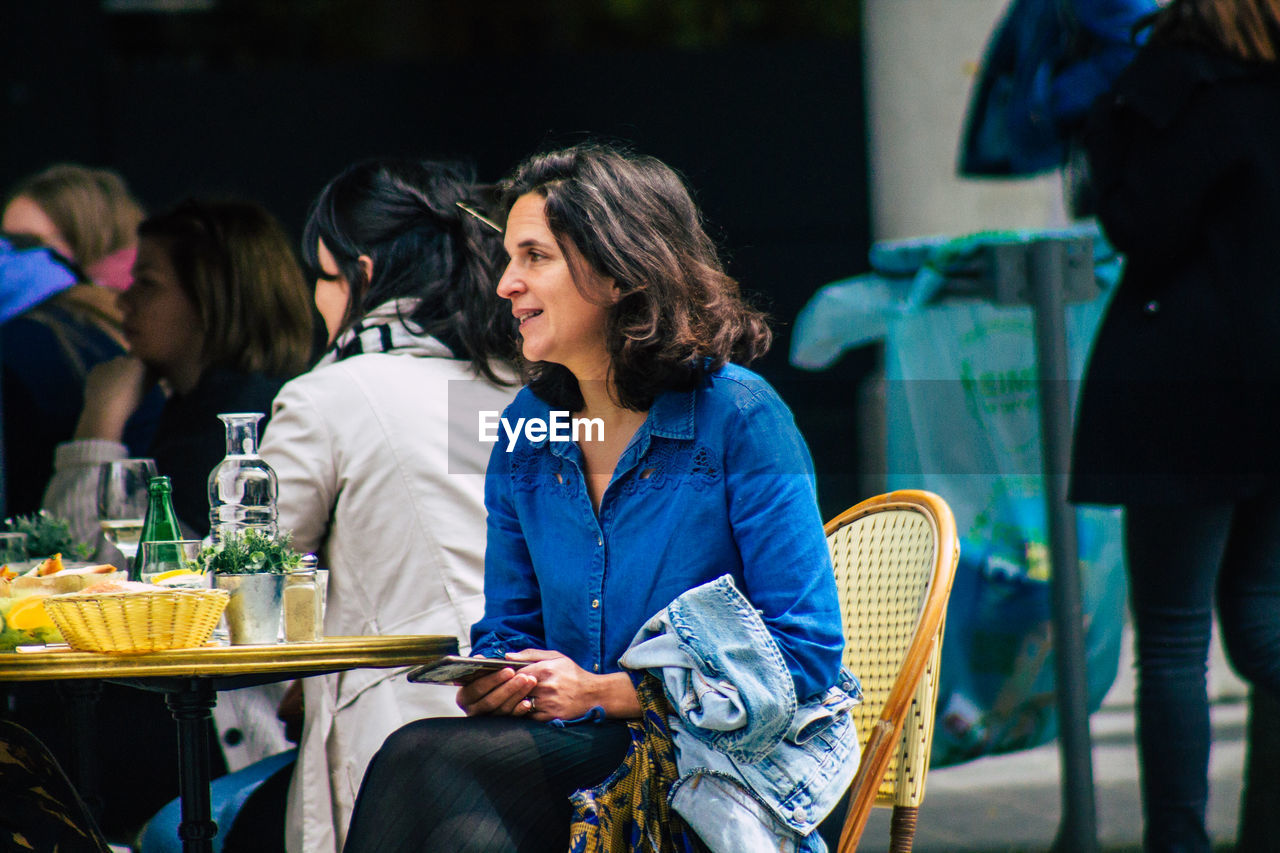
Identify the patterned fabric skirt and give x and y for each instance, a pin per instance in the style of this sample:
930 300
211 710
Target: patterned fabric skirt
629 810
39 808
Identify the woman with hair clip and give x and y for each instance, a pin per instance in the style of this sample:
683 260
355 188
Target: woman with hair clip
381 471
1182 393
693 484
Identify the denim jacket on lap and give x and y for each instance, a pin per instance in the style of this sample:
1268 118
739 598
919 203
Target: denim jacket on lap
716 481
758 770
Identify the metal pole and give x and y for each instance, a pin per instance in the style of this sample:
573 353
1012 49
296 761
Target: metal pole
192 707
1077 832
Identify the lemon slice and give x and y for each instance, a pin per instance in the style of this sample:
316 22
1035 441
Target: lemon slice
172 573
27 614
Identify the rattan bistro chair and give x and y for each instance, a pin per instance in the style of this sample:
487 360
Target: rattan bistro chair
895 557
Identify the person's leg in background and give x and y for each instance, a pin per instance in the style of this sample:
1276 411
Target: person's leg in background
1173 553
1249 592
1260 800
1249 607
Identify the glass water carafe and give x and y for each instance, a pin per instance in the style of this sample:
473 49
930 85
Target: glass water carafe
242 488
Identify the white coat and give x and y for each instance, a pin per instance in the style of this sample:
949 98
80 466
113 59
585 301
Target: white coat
382 475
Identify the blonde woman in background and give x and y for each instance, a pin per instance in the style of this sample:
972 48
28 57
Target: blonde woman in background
87 215
89 219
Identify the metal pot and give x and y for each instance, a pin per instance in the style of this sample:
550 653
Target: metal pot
253 612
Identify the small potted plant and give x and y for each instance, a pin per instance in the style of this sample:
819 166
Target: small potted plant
252 567
46 535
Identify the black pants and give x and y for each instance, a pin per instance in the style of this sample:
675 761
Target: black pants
490 784
1178 557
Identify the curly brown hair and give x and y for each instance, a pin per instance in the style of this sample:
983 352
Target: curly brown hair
678 315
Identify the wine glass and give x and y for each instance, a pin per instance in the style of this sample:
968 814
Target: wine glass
122 501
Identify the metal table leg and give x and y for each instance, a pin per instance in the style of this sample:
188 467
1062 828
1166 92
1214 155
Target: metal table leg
192 709
82 706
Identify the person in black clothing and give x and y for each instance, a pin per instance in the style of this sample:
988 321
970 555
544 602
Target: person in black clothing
1177 416
219 315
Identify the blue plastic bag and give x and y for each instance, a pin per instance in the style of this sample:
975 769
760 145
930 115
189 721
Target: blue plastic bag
963 421
962 409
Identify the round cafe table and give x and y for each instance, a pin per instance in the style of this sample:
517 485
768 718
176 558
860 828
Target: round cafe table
191 678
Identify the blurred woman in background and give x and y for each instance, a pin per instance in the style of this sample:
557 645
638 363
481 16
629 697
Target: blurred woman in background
217 315
1178 411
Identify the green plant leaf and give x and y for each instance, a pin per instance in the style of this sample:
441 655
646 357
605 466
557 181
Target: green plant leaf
48 535
250 552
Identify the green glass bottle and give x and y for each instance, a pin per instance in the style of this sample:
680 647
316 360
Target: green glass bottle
159 525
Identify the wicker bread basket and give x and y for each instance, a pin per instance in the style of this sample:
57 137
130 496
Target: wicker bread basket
128 622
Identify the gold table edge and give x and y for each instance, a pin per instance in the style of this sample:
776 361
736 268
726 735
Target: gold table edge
332 653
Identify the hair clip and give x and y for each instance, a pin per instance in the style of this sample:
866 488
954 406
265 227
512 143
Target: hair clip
478 215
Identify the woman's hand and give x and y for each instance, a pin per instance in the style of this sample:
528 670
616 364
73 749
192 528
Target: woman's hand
551 687
502 692
113 390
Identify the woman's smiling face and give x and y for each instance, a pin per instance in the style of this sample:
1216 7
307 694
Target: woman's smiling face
557 323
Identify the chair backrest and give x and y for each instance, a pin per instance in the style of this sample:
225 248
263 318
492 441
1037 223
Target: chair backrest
895 557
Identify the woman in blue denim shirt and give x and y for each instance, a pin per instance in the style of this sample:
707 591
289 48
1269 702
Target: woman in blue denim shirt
640 462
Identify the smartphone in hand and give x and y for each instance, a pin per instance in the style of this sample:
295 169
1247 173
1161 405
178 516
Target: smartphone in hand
453 669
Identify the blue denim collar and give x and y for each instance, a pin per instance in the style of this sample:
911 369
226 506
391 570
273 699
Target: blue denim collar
670 416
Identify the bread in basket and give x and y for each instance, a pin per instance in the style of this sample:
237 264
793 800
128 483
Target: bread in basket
126 618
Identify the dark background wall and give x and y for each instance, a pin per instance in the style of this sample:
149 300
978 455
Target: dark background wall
758 104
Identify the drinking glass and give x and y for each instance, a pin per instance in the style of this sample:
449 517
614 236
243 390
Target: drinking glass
13 547
172 563
122 501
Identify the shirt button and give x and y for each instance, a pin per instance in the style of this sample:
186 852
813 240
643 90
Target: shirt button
595 602
799 814
595 667
232 737
599 540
